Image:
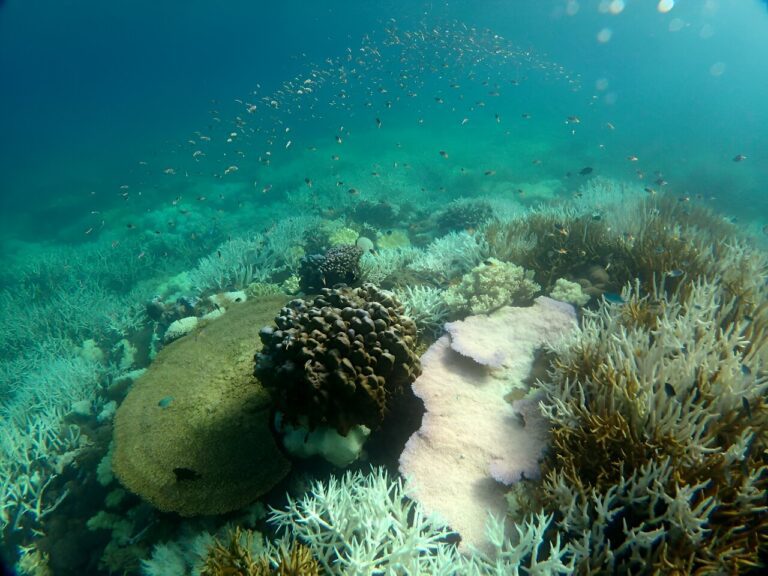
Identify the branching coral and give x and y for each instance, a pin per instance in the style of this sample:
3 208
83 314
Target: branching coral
425 306
660 427
236 558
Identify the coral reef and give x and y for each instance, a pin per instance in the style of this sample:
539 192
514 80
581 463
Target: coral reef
339 265
490 286
336 360
193 435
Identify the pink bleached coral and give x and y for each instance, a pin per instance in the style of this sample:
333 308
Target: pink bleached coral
471 438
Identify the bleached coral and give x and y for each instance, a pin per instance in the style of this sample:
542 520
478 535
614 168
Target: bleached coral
659 429
362 524
235 264
571 292
490 286
378 267
425 306
451 255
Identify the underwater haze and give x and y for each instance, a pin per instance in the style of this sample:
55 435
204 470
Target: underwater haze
320 287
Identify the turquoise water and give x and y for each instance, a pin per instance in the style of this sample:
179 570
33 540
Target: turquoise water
140 143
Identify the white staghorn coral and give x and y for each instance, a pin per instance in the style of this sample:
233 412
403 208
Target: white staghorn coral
452 255
425 306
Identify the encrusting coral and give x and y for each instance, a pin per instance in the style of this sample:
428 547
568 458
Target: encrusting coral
337 360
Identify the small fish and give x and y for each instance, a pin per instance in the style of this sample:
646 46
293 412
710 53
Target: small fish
438 100
339 183
169 171
335 157
632 158
610 126
573 120
266 188
338 139
288 144
231 169
746 406
378 123
536 162
660 182
746 370
650 191
498 119
739 158
613 297
525 116
489 172
561 250
586 170
353 191
308 182
676 273
464 121
165 402
669 389
443 153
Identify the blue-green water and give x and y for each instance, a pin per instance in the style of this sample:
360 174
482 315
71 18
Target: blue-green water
138 138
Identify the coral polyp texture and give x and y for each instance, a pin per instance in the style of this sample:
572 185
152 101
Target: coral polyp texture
659 434
337 360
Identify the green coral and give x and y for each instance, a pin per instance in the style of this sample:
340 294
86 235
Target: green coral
490 286
343 236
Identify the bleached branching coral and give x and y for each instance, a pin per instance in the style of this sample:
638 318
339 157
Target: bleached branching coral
425 306
234 264
659 430
363 524
450 256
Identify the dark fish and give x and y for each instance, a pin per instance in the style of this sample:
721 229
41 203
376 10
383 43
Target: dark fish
745 370
378 123
746 406
443 153
739 158
586 170
186 474
669 389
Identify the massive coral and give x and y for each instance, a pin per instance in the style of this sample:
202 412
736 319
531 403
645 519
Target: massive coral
193 435
336 360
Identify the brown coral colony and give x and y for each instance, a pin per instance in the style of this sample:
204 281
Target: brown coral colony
338 359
